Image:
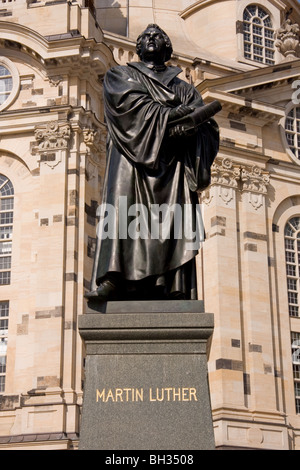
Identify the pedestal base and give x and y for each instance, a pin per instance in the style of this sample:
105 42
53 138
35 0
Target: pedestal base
146 377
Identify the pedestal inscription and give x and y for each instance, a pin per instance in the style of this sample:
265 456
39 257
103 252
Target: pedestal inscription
146 377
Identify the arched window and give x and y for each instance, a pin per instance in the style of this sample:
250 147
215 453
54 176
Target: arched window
292 258
258 35
6 228
292 130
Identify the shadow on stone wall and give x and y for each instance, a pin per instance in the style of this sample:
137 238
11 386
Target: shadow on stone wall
111 16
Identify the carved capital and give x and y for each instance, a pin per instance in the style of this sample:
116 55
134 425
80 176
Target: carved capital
95 140
227 178
255 181
52 136
225 173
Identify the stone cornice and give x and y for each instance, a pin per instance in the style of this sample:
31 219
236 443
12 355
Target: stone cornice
26 120
262 112
242 81
55 50
38 439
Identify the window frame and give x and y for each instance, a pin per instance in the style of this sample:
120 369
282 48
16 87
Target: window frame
292 264
4 319
261 39
6 228
295 345
275 15
9 65
283 131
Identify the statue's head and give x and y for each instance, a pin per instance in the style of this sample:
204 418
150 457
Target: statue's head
154 43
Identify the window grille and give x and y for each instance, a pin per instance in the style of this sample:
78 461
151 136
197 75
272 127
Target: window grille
6 228
295 337
292 258
6 84
4 314
292 131
258 35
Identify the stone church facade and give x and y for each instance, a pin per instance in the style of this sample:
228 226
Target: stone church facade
53 57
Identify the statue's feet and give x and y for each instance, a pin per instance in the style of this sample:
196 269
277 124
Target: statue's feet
106 291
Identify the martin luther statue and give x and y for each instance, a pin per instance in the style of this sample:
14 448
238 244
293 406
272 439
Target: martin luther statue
157 158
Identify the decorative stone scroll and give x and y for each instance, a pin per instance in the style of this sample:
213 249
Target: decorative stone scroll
225 173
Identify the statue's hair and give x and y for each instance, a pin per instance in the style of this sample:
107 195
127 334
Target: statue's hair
169 48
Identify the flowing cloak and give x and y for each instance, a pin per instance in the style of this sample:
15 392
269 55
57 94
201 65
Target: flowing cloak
146 169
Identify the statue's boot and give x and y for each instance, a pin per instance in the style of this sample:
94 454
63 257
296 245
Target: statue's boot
106 291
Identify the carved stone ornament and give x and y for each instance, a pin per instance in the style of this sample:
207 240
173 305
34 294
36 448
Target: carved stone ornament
255 181
288 40
95 140
225 175
53 136
229 177
55 80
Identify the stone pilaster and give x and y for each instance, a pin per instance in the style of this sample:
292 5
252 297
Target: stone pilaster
221 283
255 286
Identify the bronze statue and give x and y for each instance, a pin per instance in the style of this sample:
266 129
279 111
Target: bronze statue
159 153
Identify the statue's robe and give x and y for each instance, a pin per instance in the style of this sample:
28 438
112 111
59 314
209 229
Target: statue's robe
145 166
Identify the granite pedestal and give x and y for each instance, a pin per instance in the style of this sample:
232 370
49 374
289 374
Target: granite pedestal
146 381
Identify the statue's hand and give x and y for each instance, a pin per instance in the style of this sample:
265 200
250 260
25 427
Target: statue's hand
180 111
180 131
